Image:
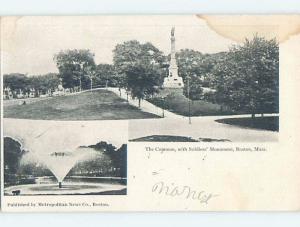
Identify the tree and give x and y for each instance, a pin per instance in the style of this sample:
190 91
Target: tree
142 80
221 72
108 161
140 68
43 83
197 67
194 89
247 78
12 155
120 160
72 64
16 82
189 63
118 156
105 75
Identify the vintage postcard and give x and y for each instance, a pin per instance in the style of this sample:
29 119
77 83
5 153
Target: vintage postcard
150 113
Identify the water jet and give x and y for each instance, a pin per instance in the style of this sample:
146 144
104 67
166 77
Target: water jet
60 163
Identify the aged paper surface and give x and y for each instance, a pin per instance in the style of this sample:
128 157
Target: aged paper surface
150 113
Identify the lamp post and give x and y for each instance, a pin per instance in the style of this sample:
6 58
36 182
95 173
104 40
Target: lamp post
188 93
91 78
90 74
163 106
81 67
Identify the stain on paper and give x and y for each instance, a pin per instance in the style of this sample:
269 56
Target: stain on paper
239 27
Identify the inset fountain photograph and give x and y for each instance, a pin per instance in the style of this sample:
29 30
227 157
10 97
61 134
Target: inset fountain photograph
62 159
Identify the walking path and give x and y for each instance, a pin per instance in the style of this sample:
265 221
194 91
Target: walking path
145 105
149 107
200 127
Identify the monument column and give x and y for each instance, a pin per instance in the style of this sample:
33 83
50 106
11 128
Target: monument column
173 43
173 80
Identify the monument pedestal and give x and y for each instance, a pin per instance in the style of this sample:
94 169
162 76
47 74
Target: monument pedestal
171 91
173 82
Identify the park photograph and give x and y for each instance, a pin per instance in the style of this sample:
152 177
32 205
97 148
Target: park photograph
48 158
173 78
77 89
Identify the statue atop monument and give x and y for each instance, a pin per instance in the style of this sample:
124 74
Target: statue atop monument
173 80
173 31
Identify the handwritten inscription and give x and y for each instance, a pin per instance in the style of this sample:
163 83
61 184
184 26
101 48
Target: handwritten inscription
185 192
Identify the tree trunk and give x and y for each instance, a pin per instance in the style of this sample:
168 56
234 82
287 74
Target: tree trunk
139 103
253 115
221 108
262 114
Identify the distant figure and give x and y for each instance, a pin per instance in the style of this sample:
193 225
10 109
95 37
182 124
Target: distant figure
16 192
24 102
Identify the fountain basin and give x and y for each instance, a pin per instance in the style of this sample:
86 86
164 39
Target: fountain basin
68 188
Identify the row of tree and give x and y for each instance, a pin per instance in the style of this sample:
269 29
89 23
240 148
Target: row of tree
40 83
111 162
104 76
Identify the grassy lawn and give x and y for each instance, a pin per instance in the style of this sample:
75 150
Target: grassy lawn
168 138
96 105
177 103
265 123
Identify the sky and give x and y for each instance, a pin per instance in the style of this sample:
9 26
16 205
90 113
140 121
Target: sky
29 43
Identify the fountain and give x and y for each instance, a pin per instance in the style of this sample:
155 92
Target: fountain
60 163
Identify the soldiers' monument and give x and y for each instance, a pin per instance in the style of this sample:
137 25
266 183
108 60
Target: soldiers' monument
173 80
